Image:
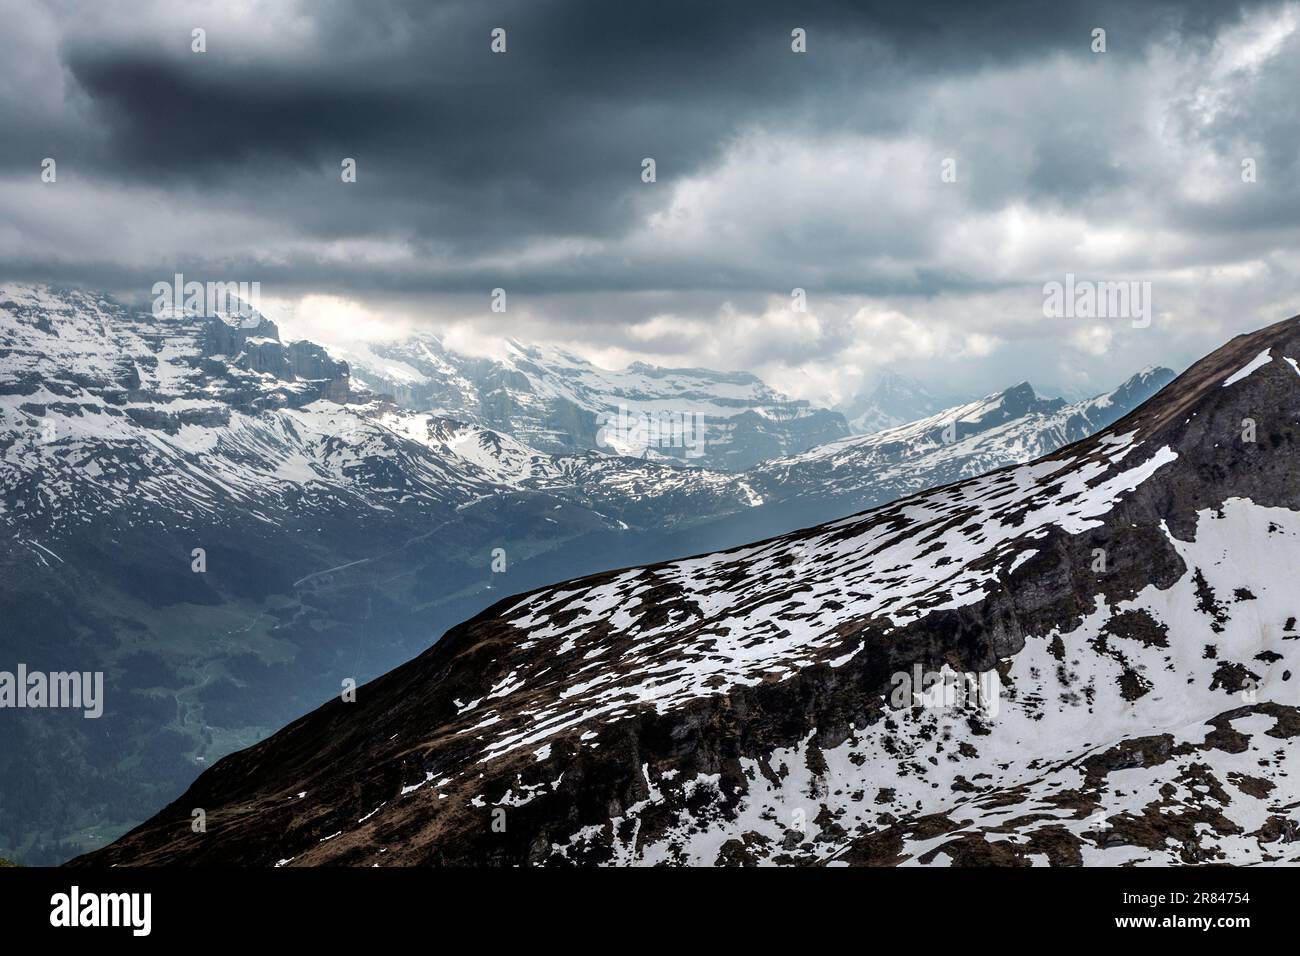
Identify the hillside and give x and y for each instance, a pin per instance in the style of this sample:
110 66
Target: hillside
1124 604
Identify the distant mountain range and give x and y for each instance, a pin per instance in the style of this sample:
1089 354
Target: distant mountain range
559 403
970 439
1087 659
894 400
229 525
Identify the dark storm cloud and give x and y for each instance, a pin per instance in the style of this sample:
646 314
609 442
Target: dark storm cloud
467 152
775 171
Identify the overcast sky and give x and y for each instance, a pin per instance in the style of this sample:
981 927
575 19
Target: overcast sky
821 170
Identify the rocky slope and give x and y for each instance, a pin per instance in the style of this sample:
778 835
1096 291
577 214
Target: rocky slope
1123 604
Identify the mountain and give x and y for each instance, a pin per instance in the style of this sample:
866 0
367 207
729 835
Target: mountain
226 527
679 511
559 403
854 474
895 400
1014 425
339 534
1121 611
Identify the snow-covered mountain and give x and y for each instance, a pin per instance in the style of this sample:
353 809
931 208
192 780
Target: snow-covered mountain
1122 609
894 400
850 474
110 415
227 525
861 472
557 402
1007 427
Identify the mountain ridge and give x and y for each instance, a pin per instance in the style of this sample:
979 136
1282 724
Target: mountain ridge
560 403
316 520
337 538
735 705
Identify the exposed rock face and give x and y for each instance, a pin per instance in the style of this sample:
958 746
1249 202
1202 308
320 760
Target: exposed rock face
127 440
1132 593
307 360
254 345
228 337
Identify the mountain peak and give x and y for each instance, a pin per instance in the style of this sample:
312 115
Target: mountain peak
1022 390
893 400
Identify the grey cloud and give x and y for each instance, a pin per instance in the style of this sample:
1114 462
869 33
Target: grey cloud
480 167
464 147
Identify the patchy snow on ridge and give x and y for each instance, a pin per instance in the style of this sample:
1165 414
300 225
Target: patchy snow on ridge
1039 757
899 564
1263 358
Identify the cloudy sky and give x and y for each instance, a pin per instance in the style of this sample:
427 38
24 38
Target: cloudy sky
821 170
